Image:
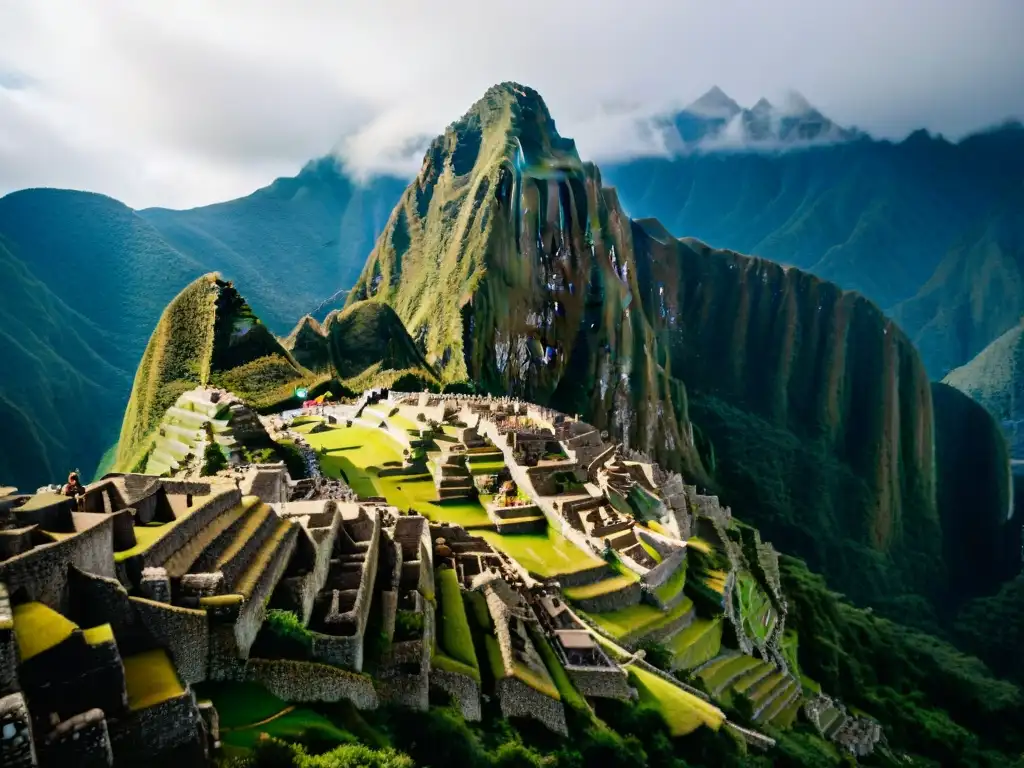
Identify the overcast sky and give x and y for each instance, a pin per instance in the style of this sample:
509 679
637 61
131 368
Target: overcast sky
194 101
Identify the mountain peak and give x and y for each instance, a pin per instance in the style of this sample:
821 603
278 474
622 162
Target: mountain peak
714 103
762 106
794 104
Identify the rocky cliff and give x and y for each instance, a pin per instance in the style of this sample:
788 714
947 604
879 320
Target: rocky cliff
515 268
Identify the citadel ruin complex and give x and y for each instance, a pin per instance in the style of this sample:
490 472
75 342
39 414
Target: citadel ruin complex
114 605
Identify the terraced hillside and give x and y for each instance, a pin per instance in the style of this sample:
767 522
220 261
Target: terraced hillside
513 267
207 335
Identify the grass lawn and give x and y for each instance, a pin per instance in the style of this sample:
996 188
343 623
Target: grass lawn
401 422
150 679
638 619
145 537
698 643
240 704
546 554
490 467
38 628
418 492
683 712
454 635
755 608
288 727
351 452
602 587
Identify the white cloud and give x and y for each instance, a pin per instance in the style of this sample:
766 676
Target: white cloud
190 102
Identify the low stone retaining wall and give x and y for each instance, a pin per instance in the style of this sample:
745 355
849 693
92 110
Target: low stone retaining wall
601 682
182 631
612 601
301 681
463 689
142 733
584 577
517 699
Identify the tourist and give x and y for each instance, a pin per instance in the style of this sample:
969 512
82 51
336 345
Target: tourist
74 486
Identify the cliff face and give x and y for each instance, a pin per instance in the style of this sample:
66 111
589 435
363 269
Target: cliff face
513 267
802 354
982 542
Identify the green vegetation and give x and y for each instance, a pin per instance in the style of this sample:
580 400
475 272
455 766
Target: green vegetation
151 679
603 587
639 619
371 334
352 452
38 628
673 585
698 643
454 636
755 609
547 554
683 712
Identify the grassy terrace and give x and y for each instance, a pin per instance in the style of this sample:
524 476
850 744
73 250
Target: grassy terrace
602 587
401 422
718 674
38 628
698 643
455 640
547 554
673 585
683 712
638 619
150 679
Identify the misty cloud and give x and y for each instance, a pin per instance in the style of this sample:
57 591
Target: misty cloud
188 103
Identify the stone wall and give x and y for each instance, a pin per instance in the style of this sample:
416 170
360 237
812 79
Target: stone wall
253 611
42 572
464 690
182 631
601 682
517 699
301 681
17 749
660 544
81 741
8 649
612 601
665 570
145 732
586 576
185 529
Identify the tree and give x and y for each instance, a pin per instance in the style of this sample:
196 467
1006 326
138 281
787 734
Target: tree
214 459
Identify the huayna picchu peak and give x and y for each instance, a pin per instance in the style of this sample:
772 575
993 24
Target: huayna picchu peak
556 486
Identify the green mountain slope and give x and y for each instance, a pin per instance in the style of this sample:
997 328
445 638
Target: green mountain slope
995 378
207 336
292 243
368 334
308 344
514 268
872 216
86 279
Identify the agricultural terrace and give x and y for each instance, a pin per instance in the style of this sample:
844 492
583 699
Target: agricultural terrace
683 712
759 617
454 651
640 619
698 643
150 679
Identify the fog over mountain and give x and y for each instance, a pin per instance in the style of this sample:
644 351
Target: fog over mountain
207 103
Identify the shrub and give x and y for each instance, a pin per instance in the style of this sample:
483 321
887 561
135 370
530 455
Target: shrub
214 460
